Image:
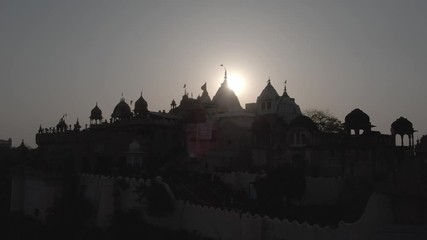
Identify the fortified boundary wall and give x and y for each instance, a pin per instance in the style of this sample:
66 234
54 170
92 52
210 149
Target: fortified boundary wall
319 190
217 223
34 196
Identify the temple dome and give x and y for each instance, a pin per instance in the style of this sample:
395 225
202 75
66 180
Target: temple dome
269 102
287 108
141 105
122 110
96 113
226 99
268 93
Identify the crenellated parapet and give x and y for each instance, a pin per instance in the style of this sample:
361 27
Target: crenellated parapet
219 223
108 193
85 178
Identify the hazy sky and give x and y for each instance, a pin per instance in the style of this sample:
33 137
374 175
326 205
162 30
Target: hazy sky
61 57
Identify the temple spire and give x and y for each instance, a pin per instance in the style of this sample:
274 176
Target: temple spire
285 86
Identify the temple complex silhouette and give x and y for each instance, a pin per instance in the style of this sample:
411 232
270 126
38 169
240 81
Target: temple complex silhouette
209 140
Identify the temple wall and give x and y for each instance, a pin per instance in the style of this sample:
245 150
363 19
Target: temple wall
34 196
219 223
322 190
319 190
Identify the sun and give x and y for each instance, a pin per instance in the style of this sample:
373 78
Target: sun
236 82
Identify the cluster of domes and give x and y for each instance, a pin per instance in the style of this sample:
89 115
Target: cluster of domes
269 101
121 111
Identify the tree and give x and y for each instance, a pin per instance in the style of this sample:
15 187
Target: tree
325 121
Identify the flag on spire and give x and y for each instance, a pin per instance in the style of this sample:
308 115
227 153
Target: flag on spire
204 87
225 75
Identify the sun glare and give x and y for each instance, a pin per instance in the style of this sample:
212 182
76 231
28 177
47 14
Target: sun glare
236 82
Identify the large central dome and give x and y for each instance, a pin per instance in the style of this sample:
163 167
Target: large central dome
122 110
226 99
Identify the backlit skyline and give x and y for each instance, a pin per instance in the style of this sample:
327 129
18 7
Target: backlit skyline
62 57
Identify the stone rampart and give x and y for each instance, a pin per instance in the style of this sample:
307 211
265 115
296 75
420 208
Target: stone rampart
107 194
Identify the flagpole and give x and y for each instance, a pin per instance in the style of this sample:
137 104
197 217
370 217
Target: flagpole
225 73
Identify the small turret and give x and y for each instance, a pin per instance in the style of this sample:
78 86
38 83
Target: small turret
95 115
173 104
77 126
357 121
402 127
61 126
